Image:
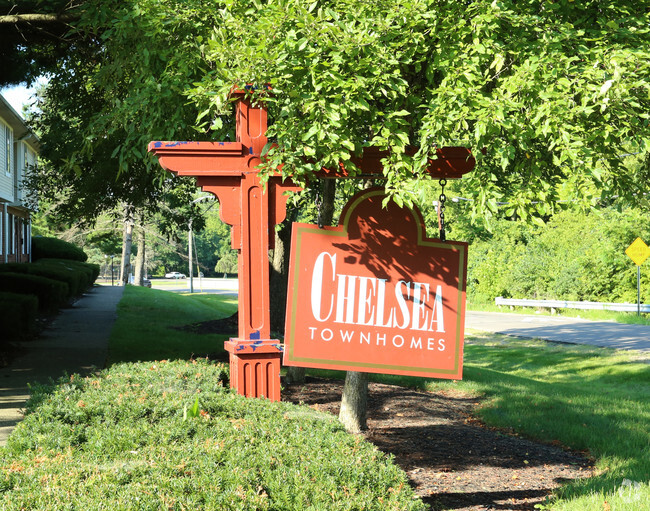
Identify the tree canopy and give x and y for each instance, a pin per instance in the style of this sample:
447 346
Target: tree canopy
34 35
553 93
550 96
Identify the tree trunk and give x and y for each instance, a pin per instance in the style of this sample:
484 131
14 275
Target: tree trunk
127 241
138 279
190 256
280 274
354 402
327 205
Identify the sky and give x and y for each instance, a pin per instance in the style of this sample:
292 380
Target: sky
19 95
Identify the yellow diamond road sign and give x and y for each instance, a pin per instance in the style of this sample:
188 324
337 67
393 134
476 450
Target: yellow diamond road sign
638 251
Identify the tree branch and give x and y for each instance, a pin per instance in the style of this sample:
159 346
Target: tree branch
37 18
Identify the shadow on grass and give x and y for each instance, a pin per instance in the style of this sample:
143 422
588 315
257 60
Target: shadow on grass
583 417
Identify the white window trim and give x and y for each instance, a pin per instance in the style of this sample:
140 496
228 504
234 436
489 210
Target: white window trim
9 150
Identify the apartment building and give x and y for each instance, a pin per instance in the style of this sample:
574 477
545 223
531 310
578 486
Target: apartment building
18 153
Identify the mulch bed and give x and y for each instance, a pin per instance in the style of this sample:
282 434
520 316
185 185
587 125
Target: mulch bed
452 460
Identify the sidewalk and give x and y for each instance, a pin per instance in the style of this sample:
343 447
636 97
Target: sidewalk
75 342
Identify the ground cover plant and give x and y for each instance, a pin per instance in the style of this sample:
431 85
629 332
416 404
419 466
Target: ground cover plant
588 399
168 435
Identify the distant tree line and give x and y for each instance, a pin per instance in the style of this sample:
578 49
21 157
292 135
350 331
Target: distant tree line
575 256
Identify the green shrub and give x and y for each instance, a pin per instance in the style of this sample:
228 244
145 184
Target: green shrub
75 280
89 271
17 315
51 293
129 439
55 248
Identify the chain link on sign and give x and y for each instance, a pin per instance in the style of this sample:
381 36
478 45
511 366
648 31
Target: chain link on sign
318 205
441 210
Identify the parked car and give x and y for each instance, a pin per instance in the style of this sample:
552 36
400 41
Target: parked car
174 275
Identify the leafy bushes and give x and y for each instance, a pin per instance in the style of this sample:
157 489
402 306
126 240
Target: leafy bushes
87 273
74 280
576 256
51 293
17 315
55 248
128 440
45 285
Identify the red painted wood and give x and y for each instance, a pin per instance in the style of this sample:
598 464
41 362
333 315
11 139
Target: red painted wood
255 368
375 294
229 170
450 163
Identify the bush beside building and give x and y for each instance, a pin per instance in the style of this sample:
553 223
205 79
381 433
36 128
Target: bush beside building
43 286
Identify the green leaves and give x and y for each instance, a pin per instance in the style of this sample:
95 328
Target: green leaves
193 411
107 438
548 93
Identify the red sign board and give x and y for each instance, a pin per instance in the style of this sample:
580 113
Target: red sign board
375 294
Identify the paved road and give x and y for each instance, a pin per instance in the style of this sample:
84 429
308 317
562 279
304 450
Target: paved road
562 329
204 285
553 328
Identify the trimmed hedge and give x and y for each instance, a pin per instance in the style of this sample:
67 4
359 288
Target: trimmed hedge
79 276
51 293
89 271
17 315
47 283
77 282
43 248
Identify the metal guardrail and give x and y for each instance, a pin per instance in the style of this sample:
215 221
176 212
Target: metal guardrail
562 304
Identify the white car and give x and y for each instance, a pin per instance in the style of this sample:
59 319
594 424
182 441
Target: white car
174 275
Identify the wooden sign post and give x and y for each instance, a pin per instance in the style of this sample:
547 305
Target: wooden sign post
230 171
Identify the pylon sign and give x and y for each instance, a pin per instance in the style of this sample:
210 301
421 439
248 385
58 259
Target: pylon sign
375 294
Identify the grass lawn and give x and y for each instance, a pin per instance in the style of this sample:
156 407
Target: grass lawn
143 330
151 435
589 399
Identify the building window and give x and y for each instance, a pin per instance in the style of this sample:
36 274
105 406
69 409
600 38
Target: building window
11 234
9 149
